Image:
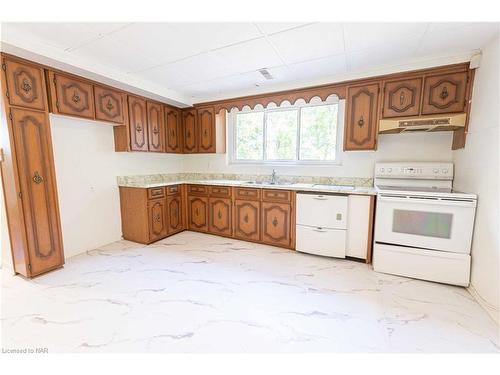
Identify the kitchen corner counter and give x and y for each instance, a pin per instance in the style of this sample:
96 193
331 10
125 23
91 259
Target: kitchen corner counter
306 187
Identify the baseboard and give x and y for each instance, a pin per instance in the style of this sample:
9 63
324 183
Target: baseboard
490 309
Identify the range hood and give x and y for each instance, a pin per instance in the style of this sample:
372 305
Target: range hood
423 124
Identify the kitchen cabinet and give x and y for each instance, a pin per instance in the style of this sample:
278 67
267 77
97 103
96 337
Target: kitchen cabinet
110 105
206 133
360 132
138 124
190 134
220 216
198 213
24 84
402 98
156 130
276 227
71 96
39 222
247 220
157 219
174 214
173 129
445 93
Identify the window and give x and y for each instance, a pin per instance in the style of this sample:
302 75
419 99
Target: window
305 133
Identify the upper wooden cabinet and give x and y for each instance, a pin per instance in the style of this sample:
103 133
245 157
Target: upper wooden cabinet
138 124
110 105
25 84
71 96
173 142
189 124
156 130
360 131
206 127
445 93
402 98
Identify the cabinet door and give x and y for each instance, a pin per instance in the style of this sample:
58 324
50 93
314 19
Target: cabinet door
402 98
109 105
174 214
360 132
206 134
276 227
157 222
38 188
138 124
73 97
155 127
220 216
173 127
190 133
25 84
198 213
444 93
247 220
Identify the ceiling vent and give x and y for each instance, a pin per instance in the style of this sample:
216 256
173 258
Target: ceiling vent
265 73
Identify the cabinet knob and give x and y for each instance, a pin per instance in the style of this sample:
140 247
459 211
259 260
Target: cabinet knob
157 218
138 128
76 98
444 93
219 215
402 98
109 106
155 131
26 87
245 218
37 179
275 222
361 121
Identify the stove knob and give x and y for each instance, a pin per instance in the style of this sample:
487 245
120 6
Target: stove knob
382 170
389 170
436 170
445 170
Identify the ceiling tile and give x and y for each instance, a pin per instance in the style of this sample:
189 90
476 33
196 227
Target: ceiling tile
63 35
362 36
309 42
248 56
276 27
439 41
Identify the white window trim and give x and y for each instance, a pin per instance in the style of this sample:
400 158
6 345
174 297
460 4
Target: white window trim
231 137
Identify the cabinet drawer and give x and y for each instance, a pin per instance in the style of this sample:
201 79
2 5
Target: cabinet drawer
198 189
276 195
220 191
154 193
326 211
247 193
173 190
321 241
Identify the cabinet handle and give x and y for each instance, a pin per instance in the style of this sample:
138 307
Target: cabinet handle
155 131
320 198
402 98
219 215
319 229
37 179
75 98
245 218
157 218
26 87
361 121
275 222
444 93
138 128
109 106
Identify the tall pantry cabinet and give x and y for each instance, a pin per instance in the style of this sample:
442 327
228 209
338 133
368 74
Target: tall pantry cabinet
27 167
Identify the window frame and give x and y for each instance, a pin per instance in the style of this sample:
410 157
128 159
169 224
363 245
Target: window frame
231 134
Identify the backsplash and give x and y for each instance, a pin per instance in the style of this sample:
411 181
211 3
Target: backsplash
169 177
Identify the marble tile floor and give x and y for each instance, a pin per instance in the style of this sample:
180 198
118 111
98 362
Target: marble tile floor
197 293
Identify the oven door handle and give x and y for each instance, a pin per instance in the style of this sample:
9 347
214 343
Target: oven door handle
431 201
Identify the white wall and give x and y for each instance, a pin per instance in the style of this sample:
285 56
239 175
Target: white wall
477 171
86 169
392 147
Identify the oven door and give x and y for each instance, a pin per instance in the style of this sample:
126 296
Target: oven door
428 223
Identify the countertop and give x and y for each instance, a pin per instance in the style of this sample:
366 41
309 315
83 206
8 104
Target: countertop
318 188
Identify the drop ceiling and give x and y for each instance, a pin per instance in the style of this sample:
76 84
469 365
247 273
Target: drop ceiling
205 61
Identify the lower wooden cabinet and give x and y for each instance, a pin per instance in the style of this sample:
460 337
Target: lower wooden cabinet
220 216
276 223
174 214
198 213
157 219
247 220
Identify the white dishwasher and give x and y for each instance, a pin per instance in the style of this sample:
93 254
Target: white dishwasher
321 224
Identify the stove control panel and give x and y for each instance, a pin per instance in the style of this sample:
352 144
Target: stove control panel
420 170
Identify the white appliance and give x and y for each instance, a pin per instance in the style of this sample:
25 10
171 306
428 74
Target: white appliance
321 224
423 229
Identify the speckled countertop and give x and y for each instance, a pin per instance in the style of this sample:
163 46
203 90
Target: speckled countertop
309 187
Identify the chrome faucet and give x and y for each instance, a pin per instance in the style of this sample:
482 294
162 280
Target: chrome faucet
274 179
